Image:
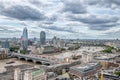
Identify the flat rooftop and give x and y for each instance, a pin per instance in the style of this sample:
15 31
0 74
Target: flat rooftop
86 67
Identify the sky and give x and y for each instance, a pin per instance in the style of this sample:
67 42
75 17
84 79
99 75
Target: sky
67 19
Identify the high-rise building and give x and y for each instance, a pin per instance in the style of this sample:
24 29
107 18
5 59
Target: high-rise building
42 38
57 42
24 39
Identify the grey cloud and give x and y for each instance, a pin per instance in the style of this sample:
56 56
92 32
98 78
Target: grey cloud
102 26
51 20
6 29
115 34
23 13
104 3
55 28
41 3
74 7
93 19
35 2
92 2
96 22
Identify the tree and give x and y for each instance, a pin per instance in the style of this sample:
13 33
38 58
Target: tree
108 49
63 49
23 51
14 49
117 73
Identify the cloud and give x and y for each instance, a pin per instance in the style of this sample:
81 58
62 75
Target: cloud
73 18
41 3
50 20
8 29
35 2
21 12
63 29
96 22
103 26
104 3
74 7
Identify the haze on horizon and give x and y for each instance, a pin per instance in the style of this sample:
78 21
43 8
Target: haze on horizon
82 19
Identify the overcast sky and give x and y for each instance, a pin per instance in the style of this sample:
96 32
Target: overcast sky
83 19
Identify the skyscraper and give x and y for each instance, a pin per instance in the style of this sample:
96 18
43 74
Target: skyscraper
24 39
42 38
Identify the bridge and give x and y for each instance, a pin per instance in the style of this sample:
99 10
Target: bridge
32 58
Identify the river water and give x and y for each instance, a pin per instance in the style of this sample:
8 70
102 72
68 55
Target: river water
16 62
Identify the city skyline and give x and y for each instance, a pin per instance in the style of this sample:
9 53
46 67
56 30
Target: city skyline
82 19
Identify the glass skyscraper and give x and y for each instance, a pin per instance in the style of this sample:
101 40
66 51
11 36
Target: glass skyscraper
42 38
24 39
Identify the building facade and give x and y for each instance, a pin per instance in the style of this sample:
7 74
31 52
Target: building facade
24 39
42 38
84 72
30 74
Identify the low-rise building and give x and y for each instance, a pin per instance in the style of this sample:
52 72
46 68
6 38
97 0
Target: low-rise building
3 53
84 71
30 74
48 49
87 57
24 72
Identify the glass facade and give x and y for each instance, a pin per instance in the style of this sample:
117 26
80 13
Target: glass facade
42 38
24 39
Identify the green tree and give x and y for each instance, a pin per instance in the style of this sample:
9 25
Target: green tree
63 49
117 73
14 49
108 49
23 51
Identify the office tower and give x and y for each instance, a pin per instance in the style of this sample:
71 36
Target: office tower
42 38
56 42
24 39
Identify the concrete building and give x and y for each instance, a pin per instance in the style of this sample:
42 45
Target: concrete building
36 50
57 42
3 53
85 71
115 44
107 60
8 74
87 57
42 38
48 49
30 74
3 56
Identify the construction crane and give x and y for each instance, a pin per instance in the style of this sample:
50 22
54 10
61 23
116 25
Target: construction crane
104 65
102 77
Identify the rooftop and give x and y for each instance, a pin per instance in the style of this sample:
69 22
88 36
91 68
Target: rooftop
86 67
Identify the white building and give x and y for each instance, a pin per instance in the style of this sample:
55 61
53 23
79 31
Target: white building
30 74
57 42
87 57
